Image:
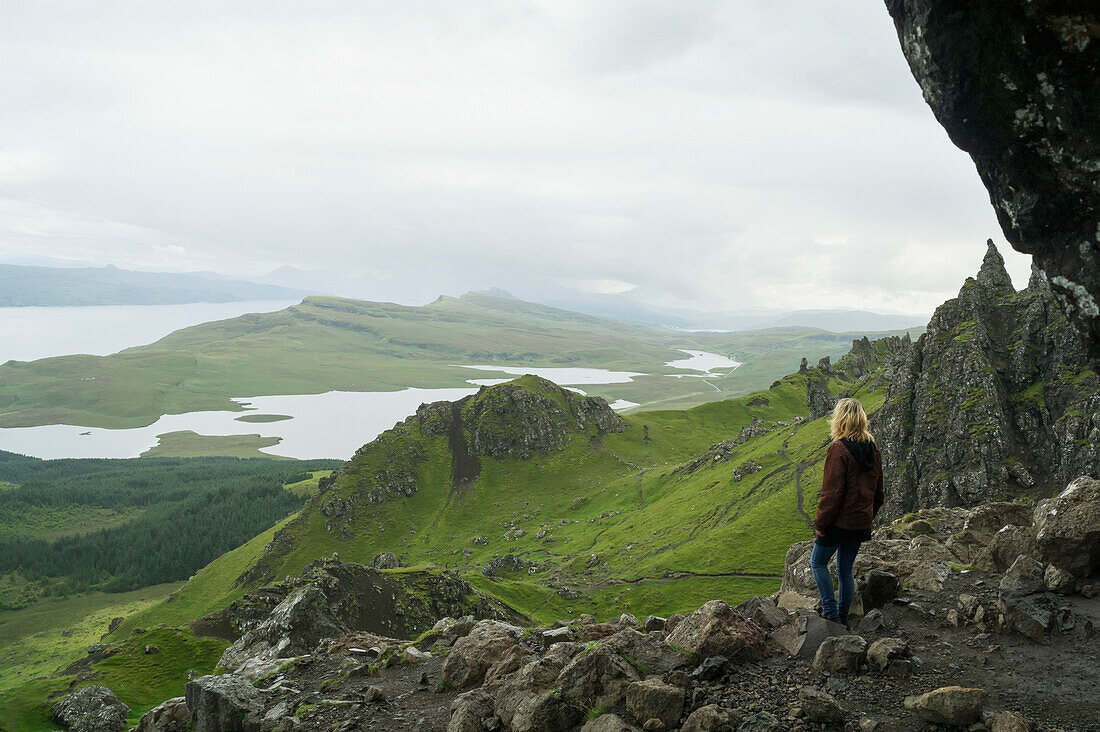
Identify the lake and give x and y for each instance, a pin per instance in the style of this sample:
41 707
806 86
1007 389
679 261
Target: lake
333 424
27 334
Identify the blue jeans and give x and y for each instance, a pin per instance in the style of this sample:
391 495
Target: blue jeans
819 563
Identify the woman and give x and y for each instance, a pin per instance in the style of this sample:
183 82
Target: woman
851 495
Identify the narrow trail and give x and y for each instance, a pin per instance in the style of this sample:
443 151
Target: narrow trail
681 575
798 468
641 473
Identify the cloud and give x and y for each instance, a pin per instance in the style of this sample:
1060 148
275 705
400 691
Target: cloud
716 155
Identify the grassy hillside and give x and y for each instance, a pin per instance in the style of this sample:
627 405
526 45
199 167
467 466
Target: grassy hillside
609 523
328 343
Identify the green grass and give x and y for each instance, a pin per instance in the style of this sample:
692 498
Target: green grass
308 486
186 443
32 642
328 343
141 681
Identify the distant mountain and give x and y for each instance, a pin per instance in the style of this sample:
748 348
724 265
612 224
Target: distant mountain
633 306
57 286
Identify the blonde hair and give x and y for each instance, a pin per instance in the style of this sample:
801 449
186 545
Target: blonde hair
849 422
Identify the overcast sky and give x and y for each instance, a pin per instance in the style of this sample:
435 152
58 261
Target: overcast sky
707 154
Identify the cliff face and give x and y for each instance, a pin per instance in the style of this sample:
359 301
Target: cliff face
995 400
1018 87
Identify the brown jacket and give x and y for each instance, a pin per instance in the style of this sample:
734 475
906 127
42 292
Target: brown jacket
850 495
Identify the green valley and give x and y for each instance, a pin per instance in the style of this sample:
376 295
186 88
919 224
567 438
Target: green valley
327 343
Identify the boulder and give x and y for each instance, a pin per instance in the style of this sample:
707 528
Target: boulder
607 723
221 703
806 634
1067 528
950 705
1030 615
986 520
877 588
711 669
889 656
91 709
557 635
792 601
647 653
521 698
712 718
1007 722
598 677
469 709
929 576
544 712
653 698
1024 577
293 628
653 622
761 722
1058 580
872 622
385 560
170 716
1007 544
840 654
797 575
475 653
764 612
820 707
715 629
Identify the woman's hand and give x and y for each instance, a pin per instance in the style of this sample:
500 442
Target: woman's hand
819 532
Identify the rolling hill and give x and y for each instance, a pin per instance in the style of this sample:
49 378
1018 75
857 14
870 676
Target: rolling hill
327 343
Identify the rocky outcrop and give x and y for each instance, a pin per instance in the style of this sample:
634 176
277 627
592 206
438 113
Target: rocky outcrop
91 709
994 401
331 598
222 703
1019 89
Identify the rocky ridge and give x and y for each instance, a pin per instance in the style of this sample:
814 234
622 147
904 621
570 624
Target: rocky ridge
995 400
983 619
1019 90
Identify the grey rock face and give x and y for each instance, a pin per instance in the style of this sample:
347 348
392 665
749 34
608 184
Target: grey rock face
1019 89
92 709
221 703
994 400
